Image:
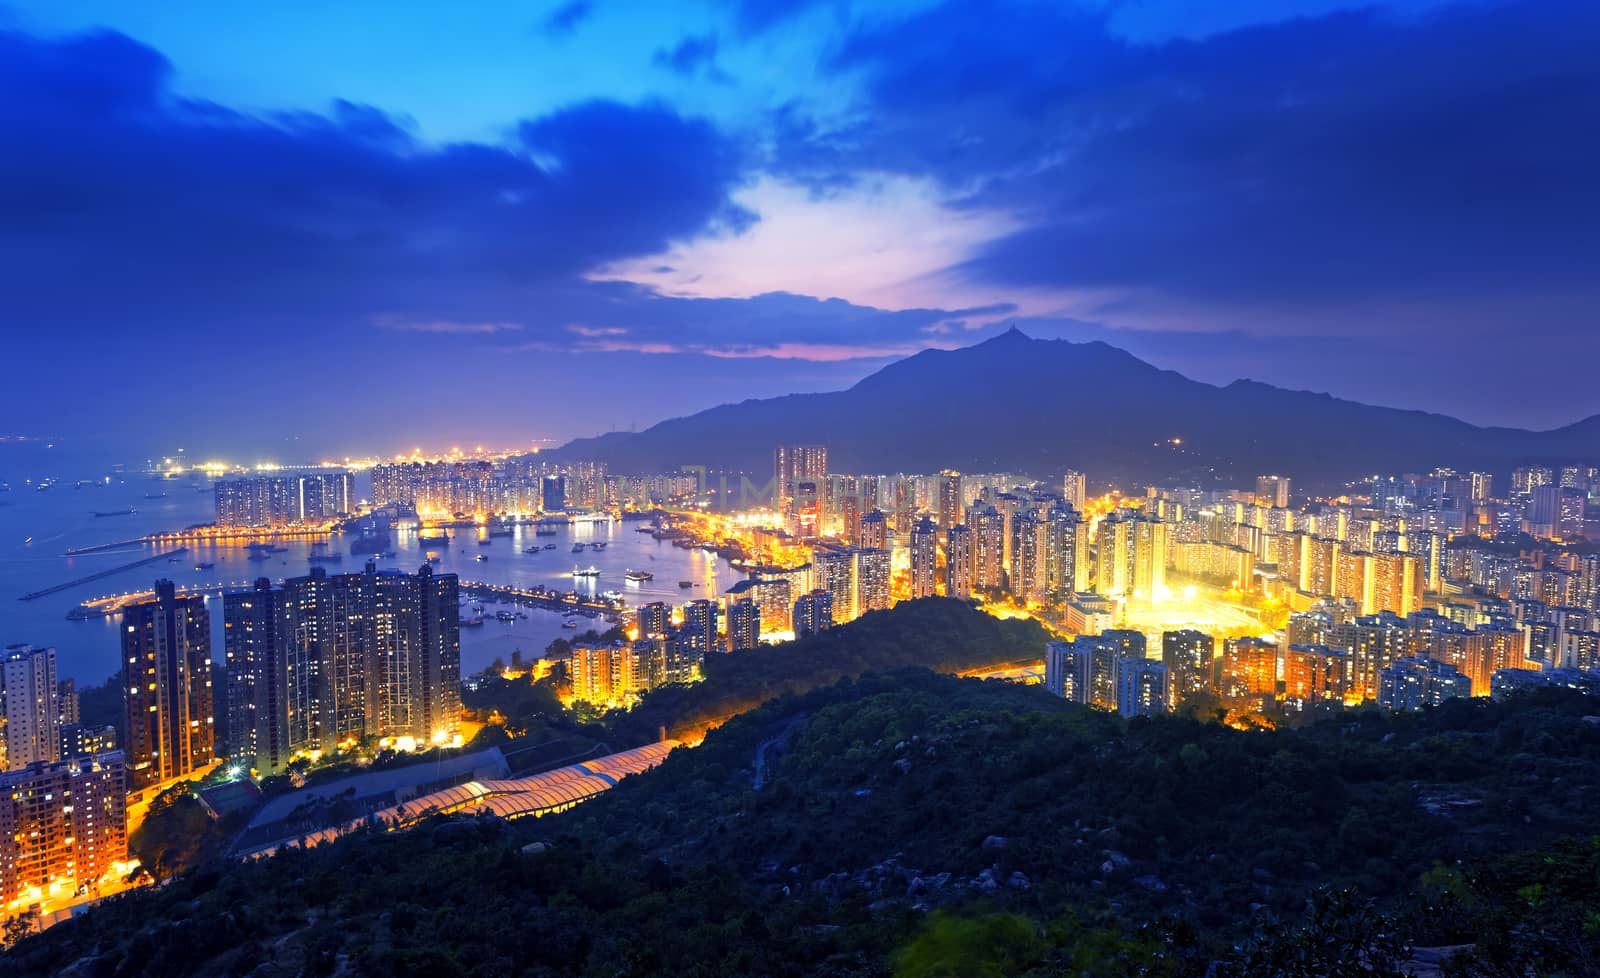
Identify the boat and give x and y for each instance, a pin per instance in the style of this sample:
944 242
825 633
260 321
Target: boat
505 616
326 558
260 555
549 546
598 546
481 557
148 495
116 512
433 558
533 550
486 542
472 621
590 571
577 548
569 623
686 584
639 577
438 541
204 566
544 531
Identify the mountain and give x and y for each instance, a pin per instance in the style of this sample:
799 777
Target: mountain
1014 403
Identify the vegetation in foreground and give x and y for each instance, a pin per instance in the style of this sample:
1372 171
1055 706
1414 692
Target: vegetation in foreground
920 825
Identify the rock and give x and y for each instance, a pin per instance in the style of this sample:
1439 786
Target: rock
1019 881
1151 882
903 765
1117 859
996 842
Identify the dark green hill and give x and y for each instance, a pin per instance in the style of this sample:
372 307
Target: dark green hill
908 818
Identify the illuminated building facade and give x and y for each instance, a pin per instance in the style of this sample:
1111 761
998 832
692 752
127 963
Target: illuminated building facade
924 552
988 547
323 660
283 499
813 612
32 707
166 674
1249 667
744 624
1141 687
1083 670
958 562
1314 673
1188 655
951 499
797 472
1075 489
1272 490
63 824
1411 684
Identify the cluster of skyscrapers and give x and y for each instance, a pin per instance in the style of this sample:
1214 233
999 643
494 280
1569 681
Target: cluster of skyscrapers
284 499
324 660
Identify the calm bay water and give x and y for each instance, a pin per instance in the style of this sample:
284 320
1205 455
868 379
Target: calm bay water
37 527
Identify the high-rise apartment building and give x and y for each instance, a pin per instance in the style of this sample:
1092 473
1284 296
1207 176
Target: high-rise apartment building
924 553
958 562
1188 655
1141 687
794 466
951 499
1075 489
813 612
278 500
1272 490
166 673
32 706
63 824
324 660
744 624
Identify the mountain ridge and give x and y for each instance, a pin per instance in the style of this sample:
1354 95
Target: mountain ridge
1039 406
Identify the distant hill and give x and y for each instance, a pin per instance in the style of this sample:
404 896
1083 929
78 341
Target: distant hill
1013 403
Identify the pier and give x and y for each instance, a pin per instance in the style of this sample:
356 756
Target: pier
163 555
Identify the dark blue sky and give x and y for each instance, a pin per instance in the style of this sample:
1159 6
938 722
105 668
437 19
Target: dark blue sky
299 229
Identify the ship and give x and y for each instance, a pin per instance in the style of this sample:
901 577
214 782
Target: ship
204 566
441 540
334 558
591 571
543 530
116 512
686 584
471 621
639 576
